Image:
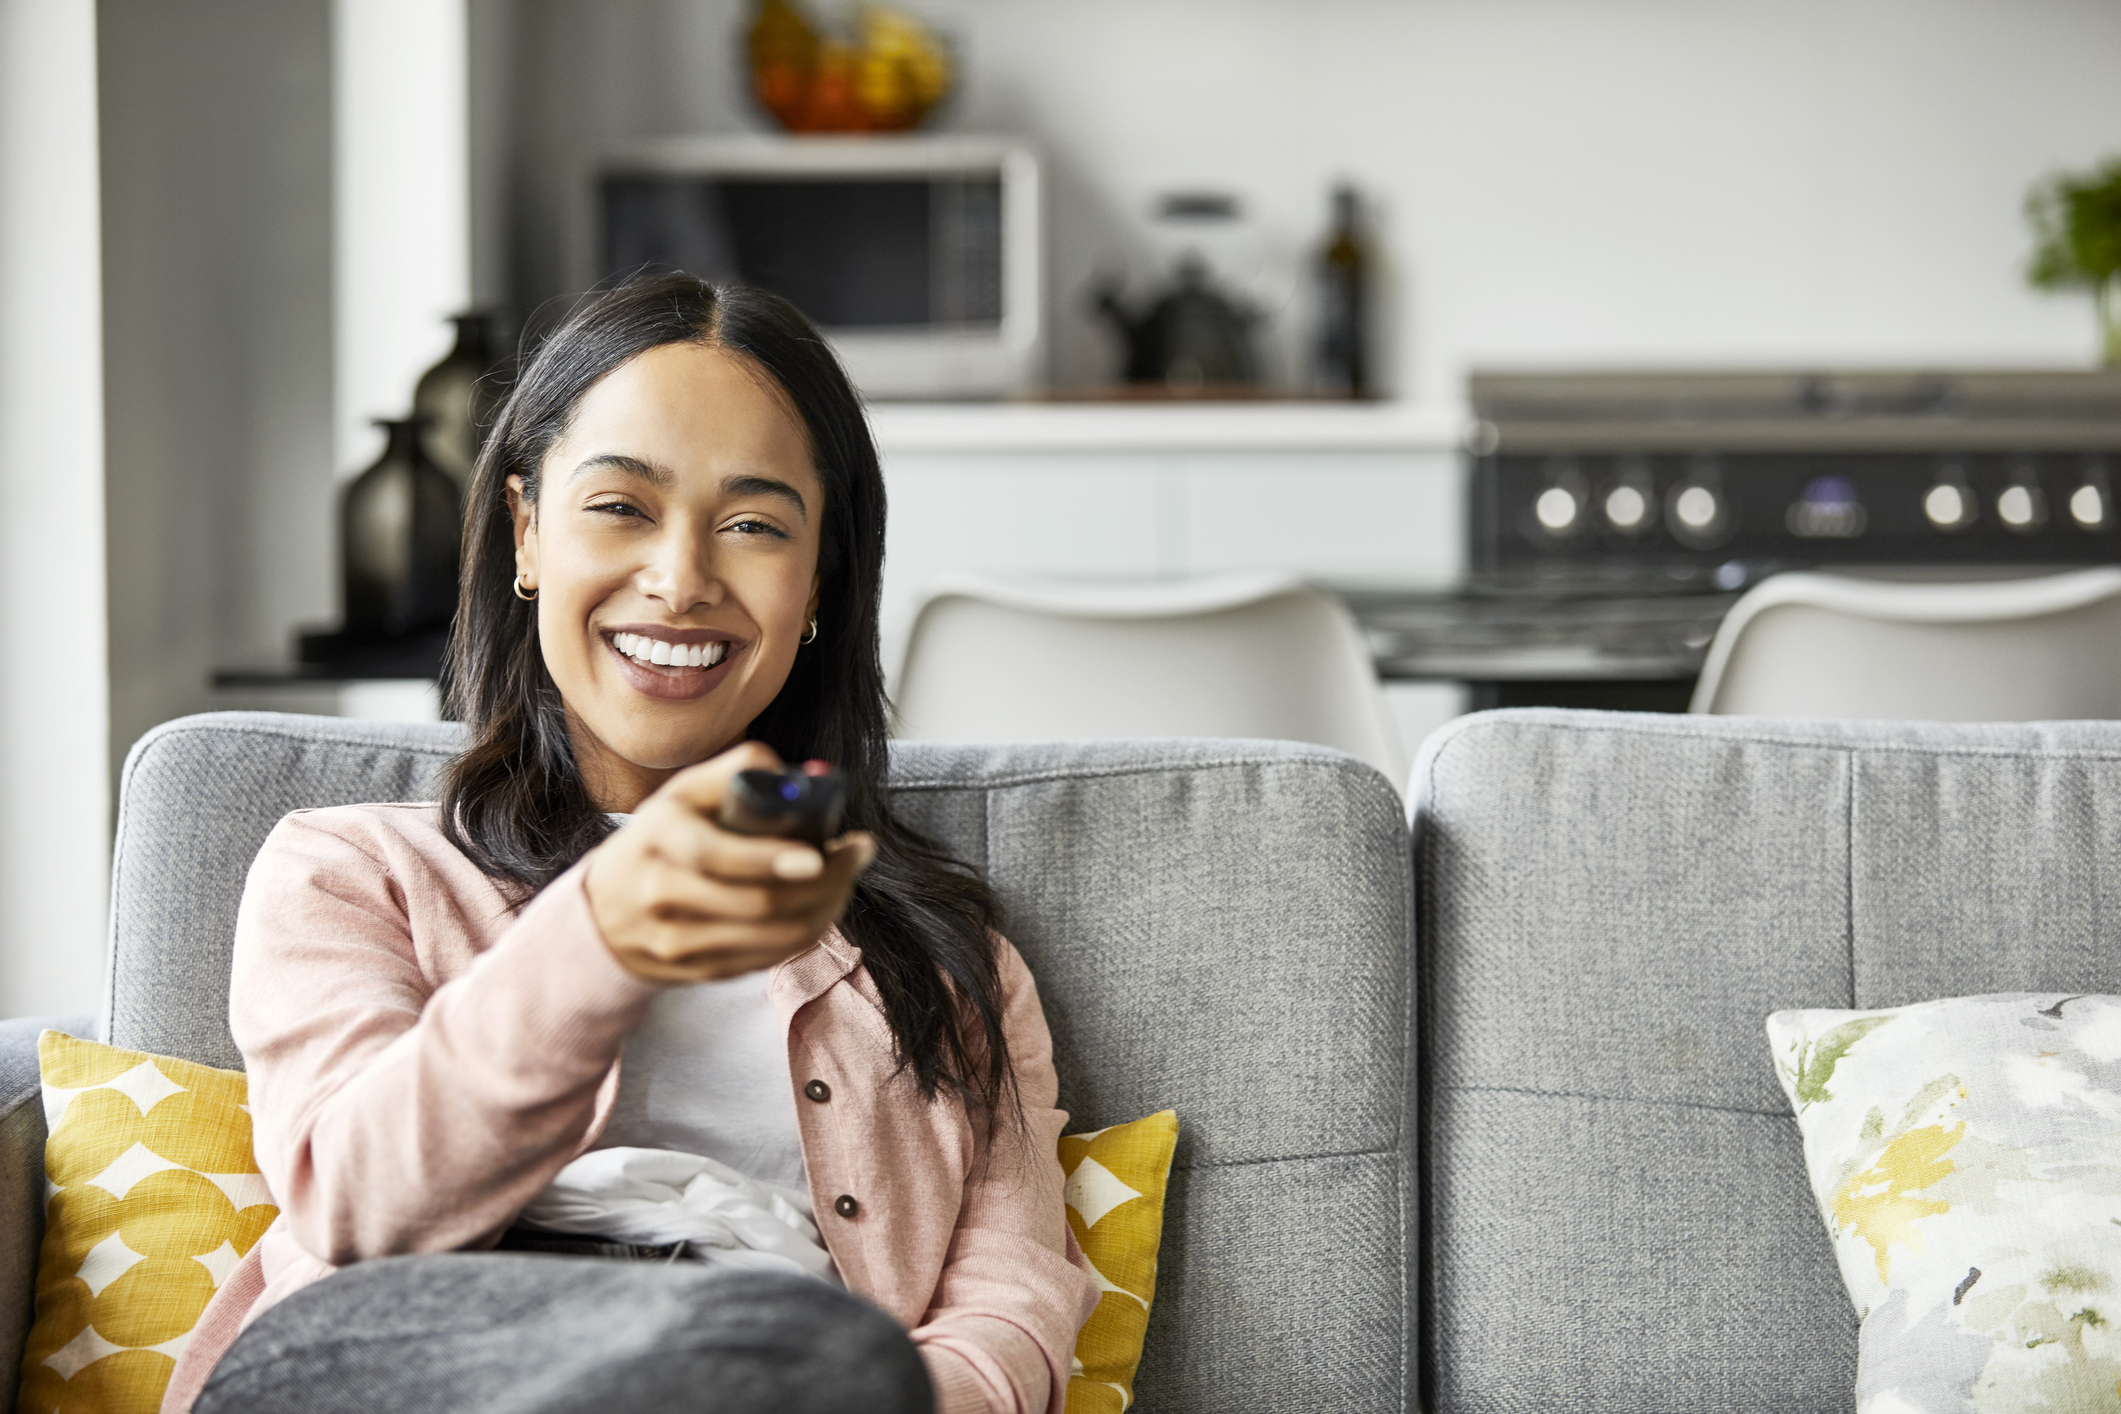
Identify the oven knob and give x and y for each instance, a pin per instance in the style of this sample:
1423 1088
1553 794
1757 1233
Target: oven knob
1560 510
1557 510
1945 506
1697 510
1631 505
1626 508
1949 504
2091 505
2022 507
1699 516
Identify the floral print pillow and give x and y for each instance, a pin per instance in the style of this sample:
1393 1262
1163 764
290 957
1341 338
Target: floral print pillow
1966 1155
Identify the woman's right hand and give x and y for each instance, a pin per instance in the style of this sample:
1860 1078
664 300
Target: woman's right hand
680 899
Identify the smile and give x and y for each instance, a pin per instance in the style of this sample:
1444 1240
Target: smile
671 671
663 654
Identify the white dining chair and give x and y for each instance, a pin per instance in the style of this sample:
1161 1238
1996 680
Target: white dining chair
2012 650
1242 655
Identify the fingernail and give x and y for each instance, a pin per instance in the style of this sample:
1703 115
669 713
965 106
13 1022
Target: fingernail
797 864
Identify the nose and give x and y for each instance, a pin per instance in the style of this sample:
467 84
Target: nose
680 572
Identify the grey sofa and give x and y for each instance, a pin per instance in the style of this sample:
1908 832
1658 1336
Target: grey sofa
1216 927
1601 1206
1615 1210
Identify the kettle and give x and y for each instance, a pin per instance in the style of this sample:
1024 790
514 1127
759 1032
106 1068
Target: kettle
1191 337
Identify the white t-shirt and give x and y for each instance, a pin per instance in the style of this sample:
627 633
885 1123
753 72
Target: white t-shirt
706 1072
702 1144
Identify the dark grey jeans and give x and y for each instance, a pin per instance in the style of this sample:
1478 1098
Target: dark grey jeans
514 1333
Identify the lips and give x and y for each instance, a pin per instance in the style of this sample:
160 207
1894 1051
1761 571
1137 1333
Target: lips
683 665
663 653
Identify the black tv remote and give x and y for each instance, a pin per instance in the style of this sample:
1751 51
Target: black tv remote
794 805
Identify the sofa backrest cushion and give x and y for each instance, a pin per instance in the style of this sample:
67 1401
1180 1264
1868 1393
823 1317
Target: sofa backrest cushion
197 797
1217 927
1610 905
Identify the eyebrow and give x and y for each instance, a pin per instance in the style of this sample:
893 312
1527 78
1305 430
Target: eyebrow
660 477
663 478
766 486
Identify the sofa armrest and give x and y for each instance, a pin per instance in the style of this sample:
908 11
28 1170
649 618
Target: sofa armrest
22 1182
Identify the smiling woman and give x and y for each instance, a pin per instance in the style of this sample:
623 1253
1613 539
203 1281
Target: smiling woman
671 571
676 515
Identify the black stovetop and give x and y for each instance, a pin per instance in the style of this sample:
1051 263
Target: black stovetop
1616 517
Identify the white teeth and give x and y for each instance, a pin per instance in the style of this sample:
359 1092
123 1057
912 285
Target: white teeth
641 647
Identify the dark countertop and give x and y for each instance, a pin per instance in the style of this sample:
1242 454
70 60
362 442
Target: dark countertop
1477 636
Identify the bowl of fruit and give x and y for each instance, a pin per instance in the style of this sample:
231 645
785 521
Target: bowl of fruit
884 74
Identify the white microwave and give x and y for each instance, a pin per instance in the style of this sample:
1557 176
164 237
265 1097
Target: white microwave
921 258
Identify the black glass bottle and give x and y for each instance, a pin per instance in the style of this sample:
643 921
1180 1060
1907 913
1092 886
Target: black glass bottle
457 399
1343 353
399 529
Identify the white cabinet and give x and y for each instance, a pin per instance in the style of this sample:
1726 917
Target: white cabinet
1343 516
1342 494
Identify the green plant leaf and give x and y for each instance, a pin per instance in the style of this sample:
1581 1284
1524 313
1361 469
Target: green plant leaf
2076 221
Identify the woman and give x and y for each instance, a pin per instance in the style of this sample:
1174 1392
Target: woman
837 1090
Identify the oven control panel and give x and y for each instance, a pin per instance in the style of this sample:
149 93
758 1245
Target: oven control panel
1567 511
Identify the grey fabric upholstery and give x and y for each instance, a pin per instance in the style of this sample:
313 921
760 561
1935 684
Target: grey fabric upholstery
1615 1211
22 1181
1611 1196
196 799
1221 928
1216 927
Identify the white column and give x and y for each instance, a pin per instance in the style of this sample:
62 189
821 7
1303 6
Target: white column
401 198
54 691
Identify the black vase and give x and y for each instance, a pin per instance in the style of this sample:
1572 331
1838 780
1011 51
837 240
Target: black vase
457 399
399 527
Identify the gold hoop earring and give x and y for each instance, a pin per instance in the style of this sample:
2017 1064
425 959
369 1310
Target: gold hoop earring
811 636
519 590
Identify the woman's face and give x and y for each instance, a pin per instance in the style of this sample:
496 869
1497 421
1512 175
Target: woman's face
674 550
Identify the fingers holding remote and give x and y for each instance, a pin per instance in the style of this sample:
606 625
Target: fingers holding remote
678 898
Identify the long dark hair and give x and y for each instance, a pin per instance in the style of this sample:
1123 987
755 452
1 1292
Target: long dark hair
514 801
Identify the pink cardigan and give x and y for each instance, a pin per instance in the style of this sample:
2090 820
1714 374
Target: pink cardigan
423 1060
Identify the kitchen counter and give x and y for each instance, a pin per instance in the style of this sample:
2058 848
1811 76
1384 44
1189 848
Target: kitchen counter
1529 638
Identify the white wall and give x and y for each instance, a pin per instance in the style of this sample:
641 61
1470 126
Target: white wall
216 181
286 224
53 705
401 206
1625 182
1553 182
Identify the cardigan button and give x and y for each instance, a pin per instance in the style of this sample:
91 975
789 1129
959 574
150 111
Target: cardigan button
845 1205
818 1090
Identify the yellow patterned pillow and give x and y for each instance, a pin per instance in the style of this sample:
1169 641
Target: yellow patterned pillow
152 1199
1115 1196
